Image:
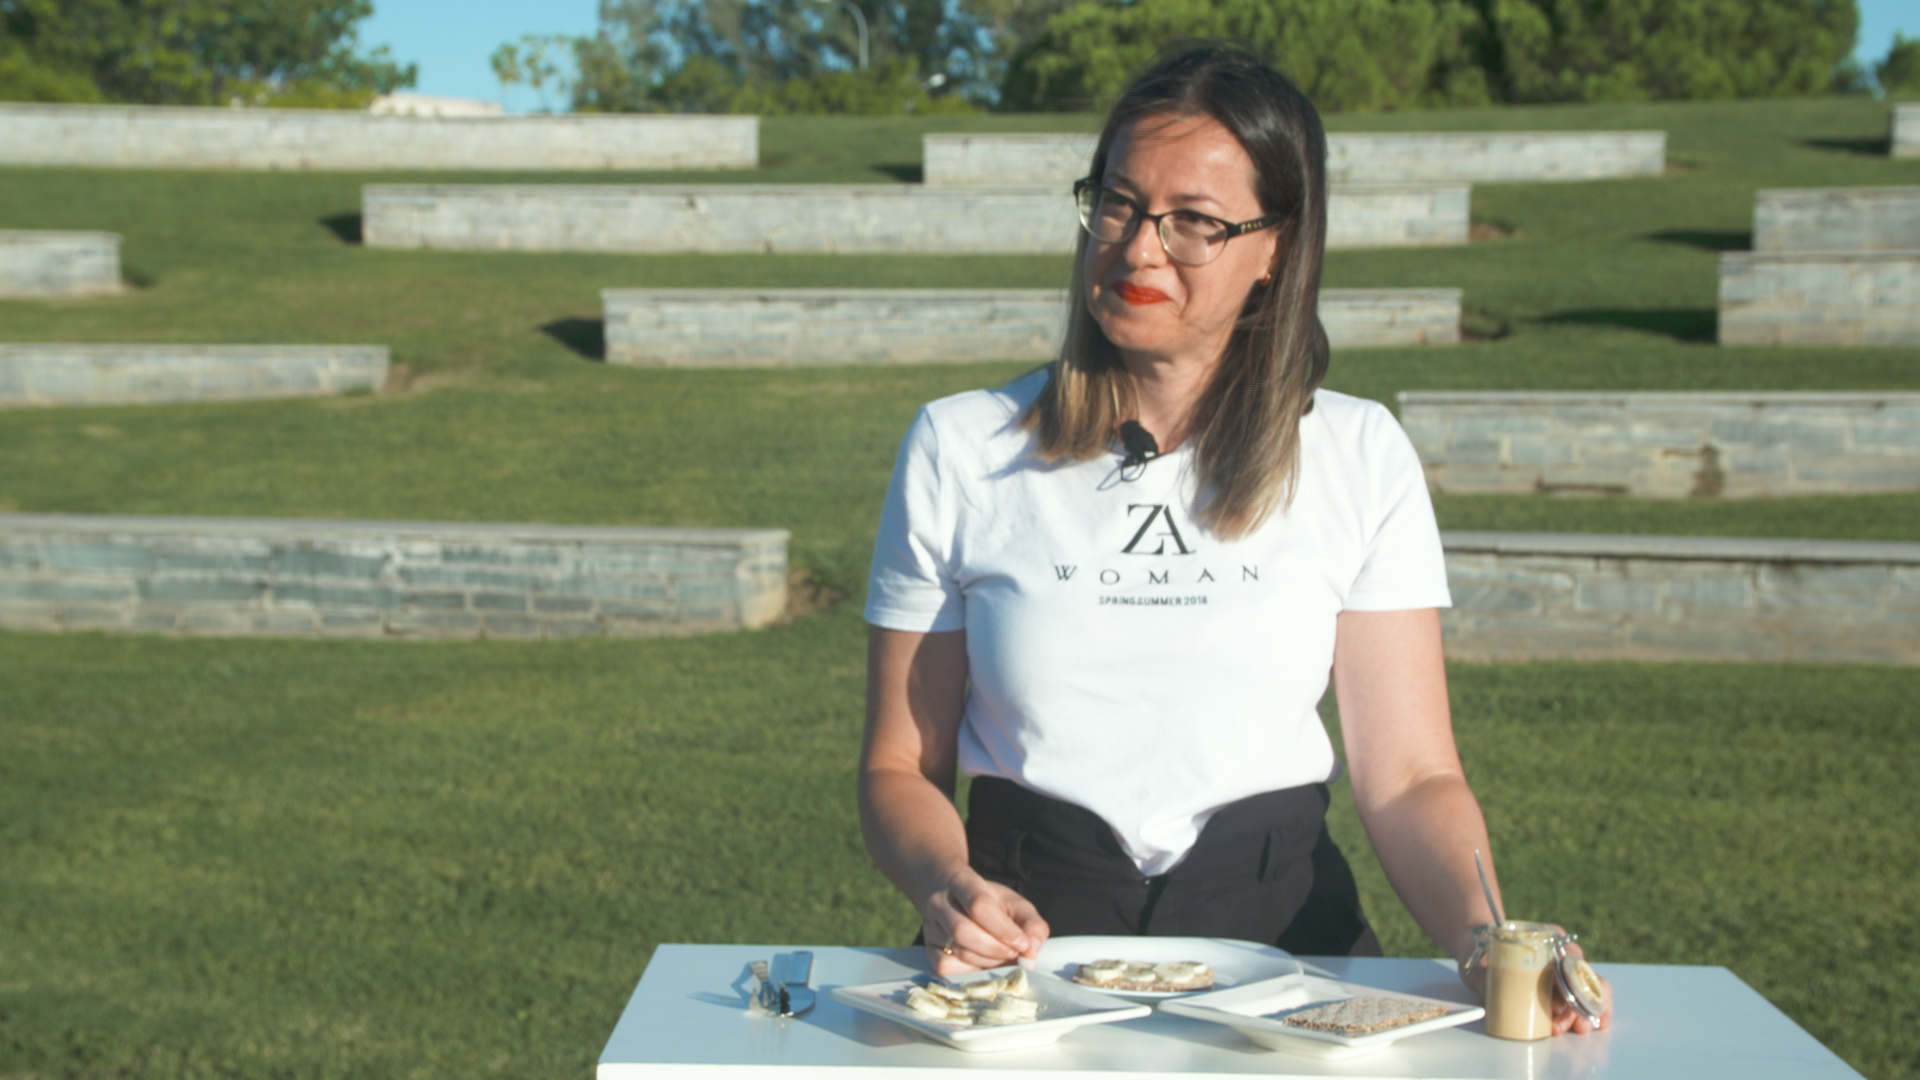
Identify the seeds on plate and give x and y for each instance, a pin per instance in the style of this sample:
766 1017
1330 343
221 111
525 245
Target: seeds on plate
1364 1015
1171 976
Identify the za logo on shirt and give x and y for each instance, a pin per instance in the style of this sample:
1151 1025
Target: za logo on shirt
1156 512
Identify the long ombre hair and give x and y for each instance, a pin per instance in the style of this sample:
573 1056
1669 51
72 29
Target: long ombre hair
1246 423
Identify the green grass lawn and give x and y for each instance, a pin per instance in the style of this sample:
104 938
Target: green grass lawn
284 858
295 859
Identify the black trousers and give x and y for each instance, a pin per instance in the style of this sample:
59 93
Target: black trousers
1264 869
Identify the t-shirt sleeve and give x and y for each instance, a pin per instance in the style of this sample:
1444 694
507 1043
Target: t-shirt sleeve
911 585
1404 567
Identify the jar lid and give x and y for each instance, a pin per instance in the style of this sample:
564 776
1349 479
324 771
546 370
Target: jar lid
1578 981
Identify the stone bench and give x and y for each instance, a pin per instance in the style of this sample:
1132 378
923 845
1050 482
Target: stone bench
1571 596
45 263
1666 445
1904 137
857 219
1820 298
59 374
770 327
383 579
1836 219
171 137
1057 160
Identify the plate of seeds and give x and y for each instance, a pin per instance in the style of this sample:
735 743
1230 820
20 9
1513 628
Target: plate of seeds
1323 1018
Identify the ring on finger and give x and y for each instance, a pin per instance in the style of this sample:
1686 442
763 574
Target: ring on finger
947 949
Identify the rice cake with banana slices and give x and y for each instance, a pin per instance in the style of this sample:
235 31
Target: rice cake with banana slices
1133 976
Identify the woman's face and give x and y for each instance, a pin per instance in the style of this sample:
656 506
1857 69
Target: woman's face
1151 307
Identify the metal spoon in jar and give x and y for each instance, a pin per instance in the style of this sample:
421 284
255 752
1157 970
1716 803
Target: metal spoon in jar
1498 918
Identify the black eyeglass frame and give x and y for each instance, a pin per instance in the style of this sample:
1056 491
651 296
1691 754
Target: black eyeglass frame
1228 229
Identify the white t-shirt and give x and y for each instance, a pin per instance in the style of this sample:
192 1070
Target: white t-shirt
1121 658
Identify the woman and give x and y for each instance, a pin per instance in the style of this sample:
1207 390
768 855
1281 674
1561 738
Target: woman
1112 591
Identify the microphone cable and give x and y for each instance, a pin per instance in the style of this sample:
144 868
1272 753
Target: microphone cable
1141 448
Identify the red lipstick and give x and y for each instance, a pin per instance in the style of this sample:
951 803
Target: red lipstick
1140 294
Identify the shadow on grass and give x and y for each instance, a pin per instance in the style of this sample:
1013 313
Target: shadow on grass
910 173
1706 239
345 227
1483 326
586 338
1481 232
1866 147
1696 325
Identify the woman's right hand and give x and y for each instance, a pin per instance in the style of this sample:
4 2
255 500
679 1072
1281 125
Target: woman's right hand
916 691
972 923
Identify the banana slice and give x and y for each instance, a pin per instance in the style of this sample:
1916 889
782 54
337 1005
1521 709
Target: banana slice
984 989
1101 971
1183 973
926 1004
952 995
1007 1009
1008 999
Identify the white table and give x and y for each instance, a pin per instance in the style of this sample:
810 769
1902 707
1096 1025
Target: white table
688 1018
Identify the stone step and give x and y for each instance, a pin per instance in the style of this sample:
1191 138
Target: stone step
777 327
1836 219
823 219
1058 159
1904 138
45 263
1573 596
61 374
383 579
1666 445
179 137
1820 298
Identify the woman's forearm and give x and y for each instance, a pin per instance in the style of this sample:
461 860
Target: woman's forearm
916 688
1408 783
1425 837
912 831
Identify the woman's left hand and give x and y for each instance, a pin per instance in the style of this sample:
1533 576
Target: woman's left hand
1568 1018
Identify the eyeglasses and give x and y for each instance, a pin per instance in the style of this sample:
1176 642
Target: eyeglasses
1188 236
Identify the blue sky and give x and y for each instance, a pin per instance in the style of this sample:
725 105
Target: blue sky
452 41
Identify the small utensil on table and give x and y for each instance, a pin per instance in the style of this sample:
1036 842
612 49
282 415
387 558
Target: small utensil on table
796 996
765 997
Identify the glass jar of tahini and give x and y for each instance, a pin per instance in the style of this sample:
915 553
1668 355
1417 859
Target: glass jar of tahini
1525 961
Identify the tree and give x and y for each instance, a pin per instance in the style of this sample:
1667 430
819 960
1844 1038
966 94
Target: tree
1381 54
1618 50
1899 73
1345 54
536 60
786 55
191 52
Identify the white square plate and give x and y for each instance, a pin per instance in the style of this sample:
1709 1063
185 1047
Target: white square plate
1258 1011
1063 1007
1234 962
